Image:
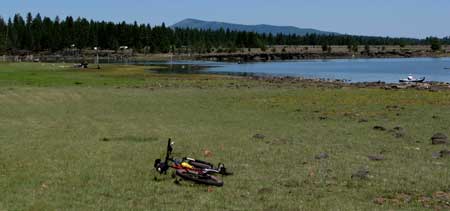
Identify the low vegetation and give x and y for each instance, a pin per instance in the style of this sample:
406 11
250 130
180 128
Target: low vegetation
86 139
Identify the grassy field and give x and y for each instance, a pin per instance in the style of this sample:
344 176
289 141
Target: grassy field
86 140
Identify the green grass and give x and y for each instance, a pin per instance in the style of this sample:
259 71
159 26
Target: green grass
53 157
131 76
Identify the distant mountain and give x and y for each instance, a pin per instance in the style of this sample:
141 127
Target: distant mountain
263 28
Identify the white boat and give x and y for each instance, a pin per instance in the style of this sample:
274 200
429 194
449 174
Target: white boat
411 79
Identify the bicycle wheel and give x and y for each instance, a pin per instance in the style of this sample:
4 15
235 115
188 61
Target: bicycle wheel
201 179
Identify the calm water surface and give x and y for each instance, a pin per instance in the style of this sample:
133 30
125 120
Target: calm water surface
354 70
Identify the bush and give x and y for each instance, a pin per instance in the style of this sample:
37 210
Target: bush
436 45
324 47
355 48
264 48
232 49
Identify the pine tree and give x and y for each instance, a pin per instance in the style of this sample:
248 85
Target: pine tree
68 32
28 37
93 34
19 30
47 35
36 33
57 38
3 35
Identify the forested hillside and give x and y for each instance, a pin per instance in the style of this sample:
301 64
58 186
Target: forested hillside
37 33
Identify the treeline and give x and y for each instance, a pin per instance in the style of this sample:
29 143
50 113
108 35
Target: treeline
36 33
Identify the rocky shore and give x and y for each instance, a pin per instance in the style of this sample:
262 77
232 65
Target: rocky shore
432 86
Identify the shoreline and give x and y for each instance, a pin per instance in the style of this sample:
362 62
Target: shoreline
268 57
432 86
273 53
200 69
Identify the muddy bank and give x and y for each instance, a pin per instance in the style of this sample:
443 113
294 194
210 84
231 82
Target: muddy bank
297 81
331 83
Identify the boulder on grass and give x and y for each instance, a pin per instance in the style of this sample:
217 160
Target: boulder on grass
439 138
379 128
259 136
322 156
361 173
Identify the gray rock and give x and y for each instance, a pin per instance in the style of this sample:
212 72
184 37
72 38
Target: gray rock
436 155
379 128
439 138
376 157
441 154
399 134
398 128
322 155
259 136
362 173
323 118
363 120
445 153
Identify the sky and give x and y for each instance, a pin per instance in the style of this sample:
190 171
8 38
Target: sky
395 18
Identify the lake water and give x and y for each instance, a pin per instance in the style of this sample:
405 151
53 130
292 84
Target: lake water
354 70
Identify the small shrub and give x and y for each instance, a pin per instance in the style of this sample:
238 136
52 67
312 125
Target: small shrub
324 47
436 45
264 48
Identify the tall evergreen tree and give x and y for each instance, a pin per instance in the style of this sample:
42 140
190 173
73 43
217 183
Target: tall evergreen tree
28 37
57 38
20 32
36 33
3 35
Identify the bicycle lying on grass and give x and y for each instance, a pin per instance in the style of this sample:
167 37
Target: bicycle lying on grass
201 172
